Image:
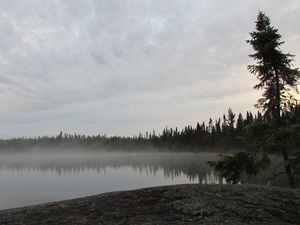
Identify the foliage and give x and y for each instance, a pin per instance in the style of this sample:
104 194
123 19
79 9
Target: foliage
233 166
278 131
273 68
212 136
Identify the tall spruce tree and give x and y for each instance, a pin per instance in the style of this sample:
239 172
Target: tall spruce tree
268 135
273 69
276 77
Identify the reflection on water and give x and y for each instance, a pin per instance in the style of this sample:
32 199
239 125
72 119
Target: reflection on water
32 178
173 165
212 178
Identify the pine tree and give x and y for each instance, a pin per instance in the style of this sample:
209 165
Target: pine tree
276 78
239 123
268 135
218 126
273 69
231 120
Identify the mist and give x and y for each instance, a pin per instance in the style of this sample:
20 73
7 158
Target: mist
36 176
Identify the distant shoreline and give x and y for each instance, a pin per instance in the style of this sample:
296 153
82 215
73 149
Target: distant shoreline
178 204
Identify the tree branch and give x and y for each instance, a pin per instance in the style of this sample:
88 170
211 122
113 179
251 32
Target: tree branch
273 177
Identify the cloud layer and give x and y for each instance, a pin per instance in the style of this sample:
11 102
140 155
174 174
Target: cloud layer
120 67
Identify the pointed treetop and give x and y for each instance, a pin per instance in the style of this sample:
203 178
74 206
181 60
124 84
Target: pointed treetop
263 22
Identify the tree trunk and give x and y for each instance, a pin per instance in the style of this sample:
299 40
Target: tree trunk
277 123
277 100
288 170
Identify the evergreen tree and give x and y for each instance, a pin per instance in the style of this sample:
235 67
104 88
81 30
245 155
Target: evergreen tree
218 126
273 68
239 123
231 120
268 135
224 125
210 125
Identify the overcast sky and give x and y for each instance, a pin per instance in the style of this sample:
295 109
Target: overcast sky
128 66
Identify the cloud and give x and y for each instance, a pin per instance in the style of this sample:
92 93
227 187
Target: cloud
128 66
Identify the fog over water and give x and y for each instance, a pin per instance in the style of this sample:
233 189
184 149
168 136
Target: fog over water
36 177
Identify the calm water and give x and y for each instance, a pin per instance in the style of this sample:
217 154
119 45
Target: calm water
33 178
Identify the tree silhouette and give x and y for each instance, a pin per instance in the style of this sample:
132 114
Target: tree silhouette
271 133
273 69
276 77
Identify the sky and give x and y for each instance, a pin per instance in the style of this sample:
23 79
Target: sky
120 67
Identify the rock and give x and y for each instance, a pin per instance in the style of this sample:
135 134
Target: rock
179 204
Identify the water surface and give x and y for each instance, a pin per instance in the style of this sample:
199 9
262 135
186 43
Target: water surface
36 177
31 178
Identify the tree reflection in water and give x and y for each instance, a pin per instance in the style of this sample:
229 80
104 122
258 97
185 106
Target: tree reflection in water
173 165
191 165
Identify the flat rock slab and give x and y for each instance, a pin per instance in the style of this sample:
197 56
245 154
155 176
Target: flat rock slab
179 204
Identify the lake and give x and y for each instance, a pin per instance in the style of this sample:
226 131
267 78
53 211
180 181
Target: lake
35 177
32 178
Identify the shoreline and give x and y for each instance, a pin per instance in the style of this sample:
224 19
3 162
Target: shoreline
176 204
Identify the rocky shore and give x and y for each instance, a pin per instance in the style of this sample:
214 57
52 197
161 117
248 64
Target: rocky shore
179 204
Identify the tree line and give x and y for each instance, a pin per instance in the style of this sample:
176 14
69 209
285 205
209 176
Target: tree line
216 135
223 134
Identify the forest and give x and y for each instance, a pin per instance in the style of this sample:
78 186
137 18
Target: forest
220 135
